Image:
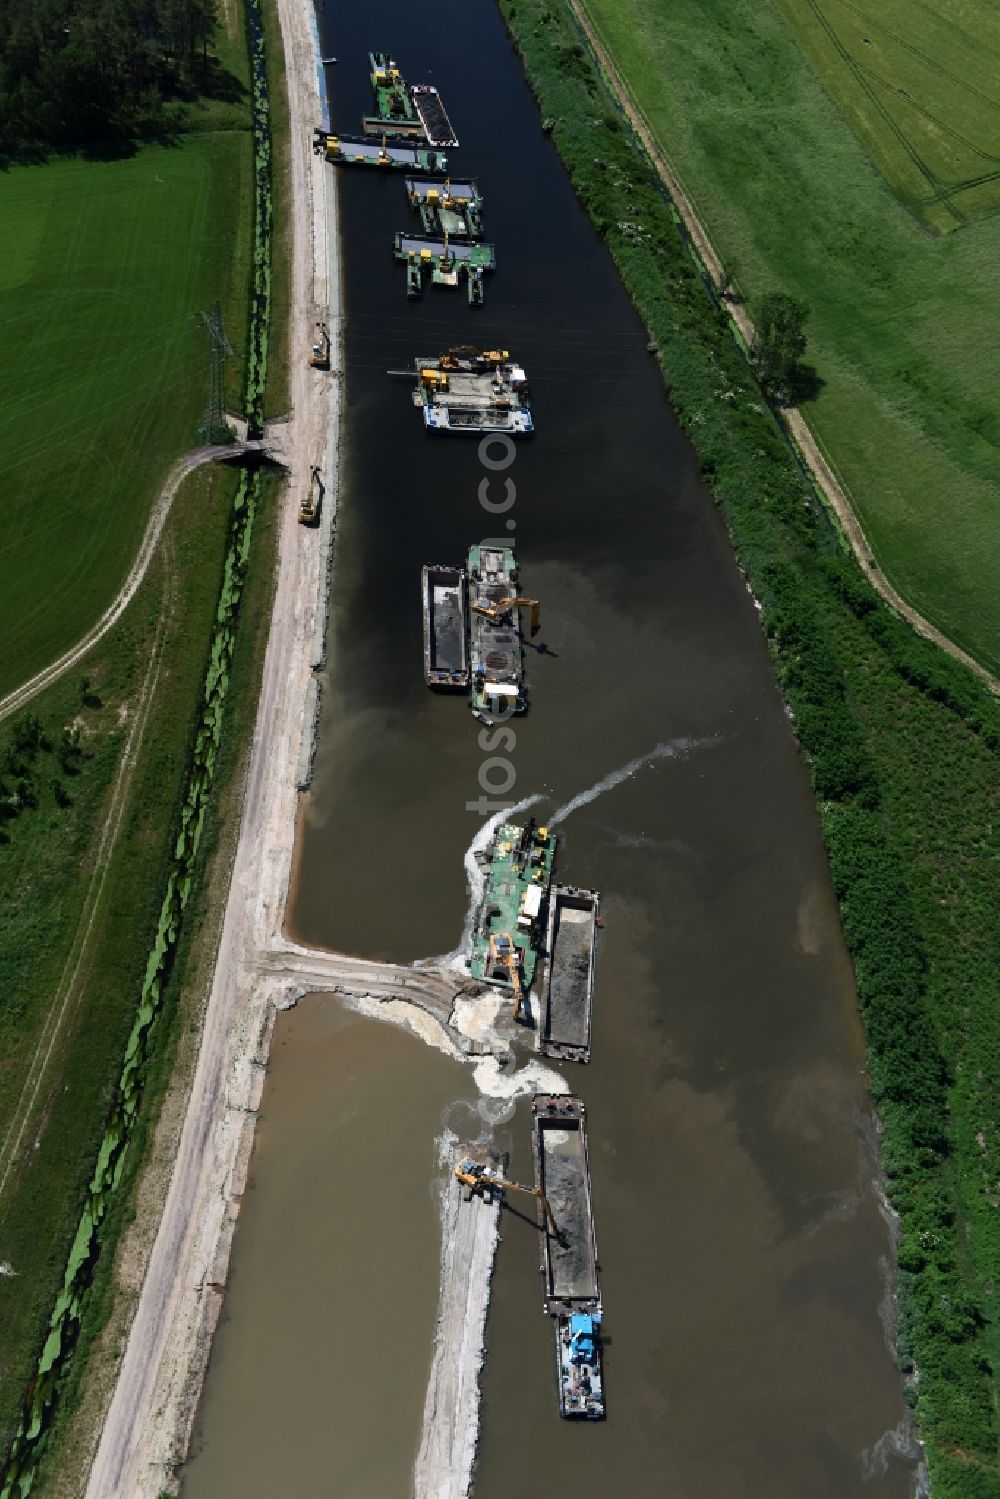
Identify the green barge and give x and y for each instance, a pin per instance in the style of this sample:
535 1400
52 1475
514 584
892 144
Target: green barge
447 206
393 105
444 262
350 150
510 927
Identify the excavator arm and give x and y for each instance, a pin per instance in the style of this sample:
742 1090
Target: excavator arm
478 1179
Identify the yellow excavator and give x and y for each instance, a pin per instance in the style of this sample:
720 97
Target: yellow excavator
319 357
504 951
496 610
478 1178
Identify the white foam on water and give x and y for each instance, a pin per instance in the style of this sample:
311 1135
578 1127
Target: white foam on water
495 1082
674 749
475 877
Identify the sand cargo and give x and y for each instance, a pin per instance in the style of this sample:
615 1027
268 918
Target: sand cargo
568 993
569 1266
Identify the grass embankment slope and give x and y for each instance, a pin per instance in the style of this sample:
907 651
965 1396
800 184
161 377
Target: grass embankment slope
904 750
750 105
104 267
80 879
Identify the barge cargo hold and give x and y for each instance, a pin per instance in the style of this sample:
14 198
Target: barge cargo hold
569 1266
447 206
578 1367
513 906
471 393
446 627
497 649
437 126
568 992
351 150
444 262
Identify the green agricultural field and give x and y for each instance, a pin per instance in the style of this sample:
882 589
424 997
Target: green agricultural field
802 164
104 268
921 84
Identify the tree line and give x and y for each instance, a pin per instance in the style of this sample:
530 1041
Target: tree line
89 73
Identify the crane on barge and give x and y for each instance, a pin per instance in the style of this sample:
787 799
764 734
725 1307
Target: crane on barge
478 1178
495 610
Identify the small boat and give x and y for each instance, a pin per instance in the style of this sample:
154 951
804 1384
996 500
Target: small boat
578 1364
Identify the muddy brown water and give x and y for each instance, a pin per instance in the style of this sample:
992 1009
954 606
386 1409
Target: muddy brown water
320 1362
744 1257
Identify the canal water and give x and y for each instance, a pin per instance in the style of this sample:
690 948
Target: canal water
320 1362
745 1258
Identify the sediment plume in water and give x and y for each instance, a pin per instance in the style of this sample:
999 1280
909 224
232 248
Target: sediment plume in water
675 749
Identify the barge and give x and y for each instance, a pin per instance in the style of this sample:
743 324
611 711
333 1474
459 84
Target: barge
394 108
497 648
446 206
434 117
569 1265
446 627
568 992
471 393
352 150
444 262
510 922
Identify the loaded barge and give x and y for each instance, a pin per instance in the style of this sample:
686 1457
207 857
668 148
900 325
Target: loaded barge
568 992
446 627
434 117
402 110
447 206
569 1268
444 262
467 392
510 922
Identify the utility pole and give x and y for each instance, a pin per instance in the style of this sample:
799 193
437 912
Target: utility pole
214 427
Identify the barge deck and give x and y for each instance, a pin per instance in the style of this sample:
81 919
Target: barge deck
569 1265
471 393
446 627
517 886
497 647
568 993
447 206
445 262
354 150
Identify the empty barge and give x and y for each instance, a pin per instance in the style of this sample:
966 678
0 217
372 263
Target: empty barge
437 126
446 206
568 992
351 150
444 262
471 393
569 1266
510 922
446 627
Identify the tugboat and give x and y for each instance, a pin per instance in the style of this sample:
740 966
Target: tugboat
578 1354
